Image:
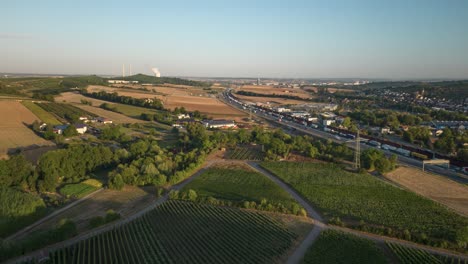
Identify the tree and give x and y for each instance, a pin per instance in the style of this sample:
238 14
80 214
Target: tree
192 195
70 131
116 182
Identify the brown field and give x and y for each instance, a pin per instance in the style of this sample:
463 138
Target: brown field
191 99
437 188
75 99
272 90
13 130
269 100
128 201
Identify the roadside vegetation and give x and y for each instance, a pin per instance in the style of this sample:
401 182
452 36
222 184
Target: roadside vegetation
336 247
363 202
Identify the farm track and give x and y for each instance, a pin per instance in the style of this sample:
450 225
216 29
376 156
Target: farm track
299 252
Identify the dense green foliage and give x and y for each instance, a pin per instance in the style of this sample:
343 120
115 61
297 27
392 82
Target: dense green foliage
65 229
183 232
18 208
337 247
71 165
408 255
45 87
78 190
242 188
153 103
378 206
374 159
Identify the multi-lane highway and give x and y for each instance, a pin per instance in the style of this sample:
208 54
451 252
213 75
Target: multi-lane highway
296 127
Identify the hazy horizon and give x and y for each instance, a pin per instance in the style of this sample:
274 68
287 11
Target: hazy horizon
396 40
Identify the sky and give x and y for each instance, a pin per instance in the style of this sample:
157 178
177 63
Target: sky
398 39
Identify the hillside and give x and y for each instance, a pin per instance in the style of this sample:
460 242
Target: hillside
142 78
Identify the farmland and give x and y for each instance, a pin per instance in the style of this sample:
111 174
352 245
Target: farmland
409 255
65 112
81 189
191 99
183 232
75 99
239 185
437 188
376 205
337 247
13 130
42 114
245 153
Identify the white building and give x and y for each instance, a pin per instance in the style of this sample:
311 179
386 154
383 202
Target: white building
219 124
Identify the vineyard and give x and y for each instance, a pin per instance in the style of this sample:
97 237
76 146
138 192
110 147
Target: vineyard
337 247
183 232
65 111
245 153
239 185
45 116
365 199
408 255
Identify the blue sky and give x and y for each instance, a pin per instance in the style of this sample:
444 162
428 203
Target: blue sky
317 39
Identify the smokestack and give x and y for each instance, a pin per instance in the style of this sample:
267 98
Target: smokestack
123 70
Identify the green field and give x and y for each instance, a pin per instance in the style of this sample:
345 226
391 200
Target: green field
132 111
337 247
379 207
78 190
65 111
42 114
239 185
184 232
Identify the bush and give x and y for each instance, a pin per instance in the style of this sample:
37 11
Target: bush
96 221
111 215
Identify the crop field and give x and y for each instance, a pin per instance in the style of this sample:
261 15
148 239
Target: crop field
245 153
64 111
81 189
408 255
191 99
269 100
337 247
239 185
13 130
355 197
264 89
43 115
437 188
183 232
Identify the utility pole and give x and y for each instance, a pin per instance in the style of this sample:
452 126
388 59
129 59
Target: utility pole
357 154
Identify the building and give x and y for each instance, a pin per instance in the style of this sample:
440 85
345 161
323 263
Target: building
104 120
80 128
183 116
121 82
327 122
219 123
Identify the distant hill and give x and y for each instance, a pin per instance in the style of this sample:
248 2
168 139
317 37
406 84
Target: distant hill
142 78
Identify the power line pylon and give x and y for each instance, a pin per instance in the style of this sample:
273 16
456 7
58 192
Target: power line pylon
357 153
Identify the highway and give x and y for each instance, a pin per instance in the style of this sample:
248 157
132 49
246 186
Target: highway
295 127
